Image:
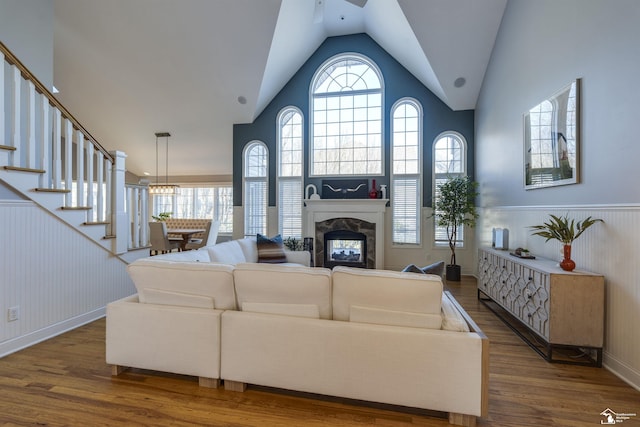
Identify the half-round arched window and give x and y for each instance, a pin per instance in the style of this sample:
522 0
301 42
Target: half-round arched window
346 117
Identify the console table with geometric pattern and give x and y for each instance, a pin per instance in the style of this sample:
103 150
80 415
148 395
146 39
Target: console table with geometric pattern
558 313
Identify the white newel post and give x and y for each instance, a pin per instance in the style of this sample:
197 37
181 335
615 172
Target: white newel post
119 218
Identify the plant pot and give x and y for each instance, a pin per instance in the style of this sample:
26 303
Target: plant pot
453 272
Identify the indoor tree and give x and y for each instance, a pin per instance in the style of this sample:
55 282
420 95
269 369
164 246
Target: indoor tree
455 206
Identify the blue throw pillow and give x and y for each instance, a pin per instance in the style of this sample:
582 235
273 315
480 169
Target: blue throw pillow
270 250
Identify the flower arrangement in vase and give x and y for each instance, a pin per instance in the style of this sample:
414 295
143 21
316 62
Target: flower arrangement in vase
564 230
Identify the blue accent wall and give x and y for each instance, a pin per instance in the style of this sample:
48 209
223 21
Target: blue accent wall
398 83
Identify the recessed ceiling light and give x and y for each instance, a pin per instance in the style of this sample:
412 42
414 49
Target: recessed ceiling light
146 173
459 82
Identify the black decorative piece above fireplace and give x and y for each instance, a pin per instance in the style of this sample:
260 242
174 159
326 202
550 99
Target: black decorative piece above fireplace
344 247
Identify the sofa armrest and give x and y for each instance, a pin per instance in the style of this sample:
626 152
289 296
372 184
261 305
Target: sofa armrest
299 257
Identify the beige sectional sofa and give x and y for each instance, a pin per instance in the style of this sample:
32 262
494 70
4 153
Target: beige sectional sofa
373 335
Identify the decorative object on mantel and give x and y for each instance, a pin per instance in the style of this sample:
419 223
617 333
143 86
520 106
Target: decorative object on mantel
383 191
344 189
564 230
309 195
455 206
373 193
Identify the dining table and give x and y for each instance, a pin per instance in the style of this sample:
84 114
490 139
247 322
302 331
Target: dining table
186 234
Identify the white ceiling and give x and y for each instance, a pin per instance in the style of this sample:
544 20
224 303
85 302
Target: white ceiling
130 68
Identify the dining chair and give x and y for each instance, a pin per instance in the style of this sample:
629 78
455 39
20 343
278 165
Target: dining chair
160 242
209 237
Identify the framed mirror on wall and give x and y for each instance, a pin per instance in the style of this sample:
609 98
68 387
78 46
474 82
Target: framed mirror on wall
552 140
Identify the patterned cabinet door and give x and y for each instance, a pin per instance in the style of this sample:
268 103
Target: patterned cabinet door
484 271
536 310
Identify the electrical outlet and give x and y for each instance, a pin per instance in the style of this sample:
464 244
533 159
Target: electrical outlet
14 313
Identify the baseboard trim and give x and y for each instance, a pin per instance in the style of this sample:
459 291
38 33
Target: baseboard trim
21 342
622 371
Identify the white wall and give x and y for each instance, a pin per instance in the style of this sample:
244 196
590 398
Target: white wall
57 277
26 28
543 45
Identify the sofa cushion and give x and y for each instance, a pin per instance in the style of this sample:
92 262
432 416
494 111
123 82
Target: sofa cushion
383 289
270 249
297 310
249 248
284 284
452 319
196 284
226 253
382 316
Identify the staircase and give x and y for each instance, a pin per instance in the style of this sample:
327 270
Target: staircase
47 156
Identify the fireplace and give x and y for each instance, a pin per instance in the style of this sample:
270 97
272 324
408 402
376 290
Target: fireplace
364 216
345 247
357 238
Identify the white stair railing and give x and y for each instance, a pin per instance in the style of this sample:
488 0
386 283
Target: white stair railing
42 139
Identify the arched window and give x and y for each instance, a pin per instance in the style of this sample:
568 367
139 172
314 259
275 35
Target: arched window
346 117
256 173
290 129
449 161
406 171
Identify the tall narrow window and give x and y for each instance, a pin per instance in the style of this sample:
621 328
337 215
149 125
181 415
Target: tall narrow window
256 163
290 129
406 171
346 109
449 161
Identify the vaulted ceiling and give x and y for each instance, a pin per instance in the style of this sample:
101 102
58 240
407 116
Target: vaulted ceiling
130 68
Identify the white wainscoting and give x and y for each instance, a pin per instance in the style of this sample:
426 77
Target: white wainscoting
58 277
611 249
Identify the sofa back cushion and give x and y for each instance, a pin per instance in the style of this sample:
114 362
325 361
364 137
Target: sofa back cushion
283 284
249 248
183 283
226 253
387 297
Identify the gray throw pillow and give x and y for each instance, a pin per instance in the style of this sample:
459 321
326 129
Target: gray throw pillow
436 268
412 268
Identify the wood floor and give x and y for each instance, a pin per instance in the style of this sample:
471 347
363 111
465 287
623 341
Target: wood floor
65 382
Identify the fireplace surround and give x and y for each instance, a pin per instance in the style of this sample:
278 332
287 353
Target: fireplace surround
360 215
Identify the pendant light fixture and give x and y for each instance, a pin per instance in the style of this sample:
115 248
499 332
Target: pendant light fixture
166 188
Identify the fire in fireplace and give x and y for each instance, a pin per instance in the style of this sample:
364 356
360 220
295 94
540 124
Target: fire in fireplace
344 247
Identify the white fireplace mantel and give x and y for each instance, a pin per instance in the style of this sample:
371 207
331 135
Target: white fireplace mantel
371 210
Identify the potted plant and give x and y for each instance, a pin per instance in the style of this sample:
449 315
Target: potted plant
162 216
455 206
564 230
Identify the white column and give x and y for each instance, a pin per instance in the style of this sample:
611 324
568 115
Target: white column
119 218
144 215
